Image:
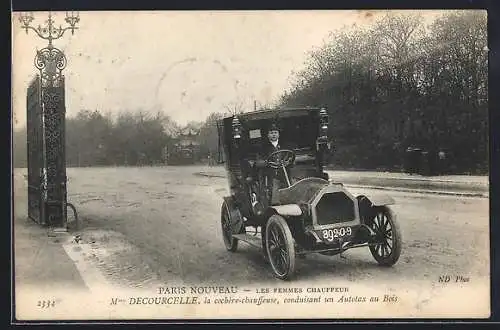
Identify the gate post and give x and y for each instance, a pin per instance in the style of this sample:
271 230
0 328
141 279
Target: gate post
47 181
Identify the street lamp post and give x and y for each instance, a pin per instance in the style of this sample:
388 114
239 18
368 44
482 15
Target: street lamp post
46 110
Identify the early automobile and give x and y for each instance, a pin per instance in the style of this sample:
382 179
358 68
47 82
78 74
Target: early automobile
284 202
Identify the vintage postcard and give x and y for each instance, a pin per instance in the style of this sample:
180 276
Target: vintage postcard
250 164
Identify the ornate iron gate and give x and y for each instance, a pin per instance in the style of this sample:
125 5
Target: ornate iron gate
46 112
36 156
55 158
47 197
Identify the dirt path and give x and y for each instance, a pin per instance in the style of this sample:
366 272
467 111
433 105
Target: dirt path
174 217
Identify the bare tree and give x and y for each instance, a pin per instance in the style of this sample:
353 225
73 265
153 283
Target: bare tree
234 108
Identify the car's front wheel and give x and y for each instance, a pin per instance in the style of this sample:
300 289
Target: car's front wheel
280 247
387 241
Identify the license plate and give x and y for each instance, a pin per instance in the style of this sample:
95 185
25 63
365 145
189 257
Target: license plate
333 234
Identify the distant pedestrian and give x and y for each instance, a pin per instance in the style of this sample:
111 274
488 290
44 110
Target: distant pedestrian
442 161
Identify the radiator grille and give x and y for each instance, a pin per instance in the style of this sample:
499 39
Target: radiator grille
335 208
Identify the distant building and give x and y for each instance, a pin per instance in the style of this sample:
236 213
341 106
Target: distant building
185 150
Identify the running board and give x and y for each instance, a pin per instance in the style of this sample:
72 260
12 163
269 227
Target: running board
253 240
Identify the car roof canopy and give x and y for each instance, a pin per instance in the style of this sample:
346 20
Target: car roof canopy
298 126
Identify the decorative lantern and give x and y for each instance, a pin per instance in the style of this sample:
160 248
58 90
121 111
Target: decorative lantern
236 128
322 143
323 123
323 129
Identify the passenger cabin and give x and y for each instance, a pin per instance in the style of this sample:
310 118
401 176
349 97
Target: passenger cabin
241 137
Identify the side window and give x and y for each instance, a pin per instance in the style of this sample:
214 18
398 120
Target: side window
254 143
255 134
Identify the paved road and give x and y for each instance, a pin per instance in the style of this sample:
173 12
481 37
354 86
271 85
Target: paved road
149 226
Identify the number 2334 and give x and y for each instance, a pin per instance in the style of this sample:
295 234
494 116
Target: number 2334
46 303
331 234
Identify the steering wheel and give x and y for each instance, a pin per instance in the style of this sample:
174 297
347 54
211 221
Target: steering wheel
281 158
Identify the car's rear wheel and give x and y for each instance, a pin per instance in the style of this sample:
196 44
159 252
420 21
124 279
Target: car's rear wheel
230 242
280 247
388 239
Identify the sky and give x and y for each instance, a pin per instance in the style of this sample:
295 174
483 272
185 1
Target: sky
186 64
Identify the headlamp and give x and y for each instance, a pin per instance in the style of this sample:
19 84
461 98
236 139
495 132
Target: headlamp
236 128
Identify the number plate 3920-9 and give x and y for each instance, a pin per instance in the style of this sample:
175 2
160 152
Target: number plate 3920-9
334 234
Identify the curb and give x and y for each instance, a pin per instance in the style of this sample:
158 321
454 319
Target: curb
422 191
210 175
417 179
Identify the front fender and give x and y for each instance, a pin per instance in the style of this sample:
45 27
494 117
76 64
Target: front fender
288 210
377 199
367 204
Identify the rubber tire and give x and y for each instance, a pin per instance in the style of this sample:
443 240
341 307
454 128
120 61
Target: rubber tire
232 243
75 214
281 223
397 238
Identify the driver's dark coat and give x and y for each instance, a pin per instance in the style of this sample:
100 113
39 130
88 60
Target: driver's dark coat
267 149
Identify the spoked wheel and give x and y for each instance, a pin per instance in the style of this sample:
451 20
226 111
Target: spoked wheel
280 247
388 238
230 242
75 214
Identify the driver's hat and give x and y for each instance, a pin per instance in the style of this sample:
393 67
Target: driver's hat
273 127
